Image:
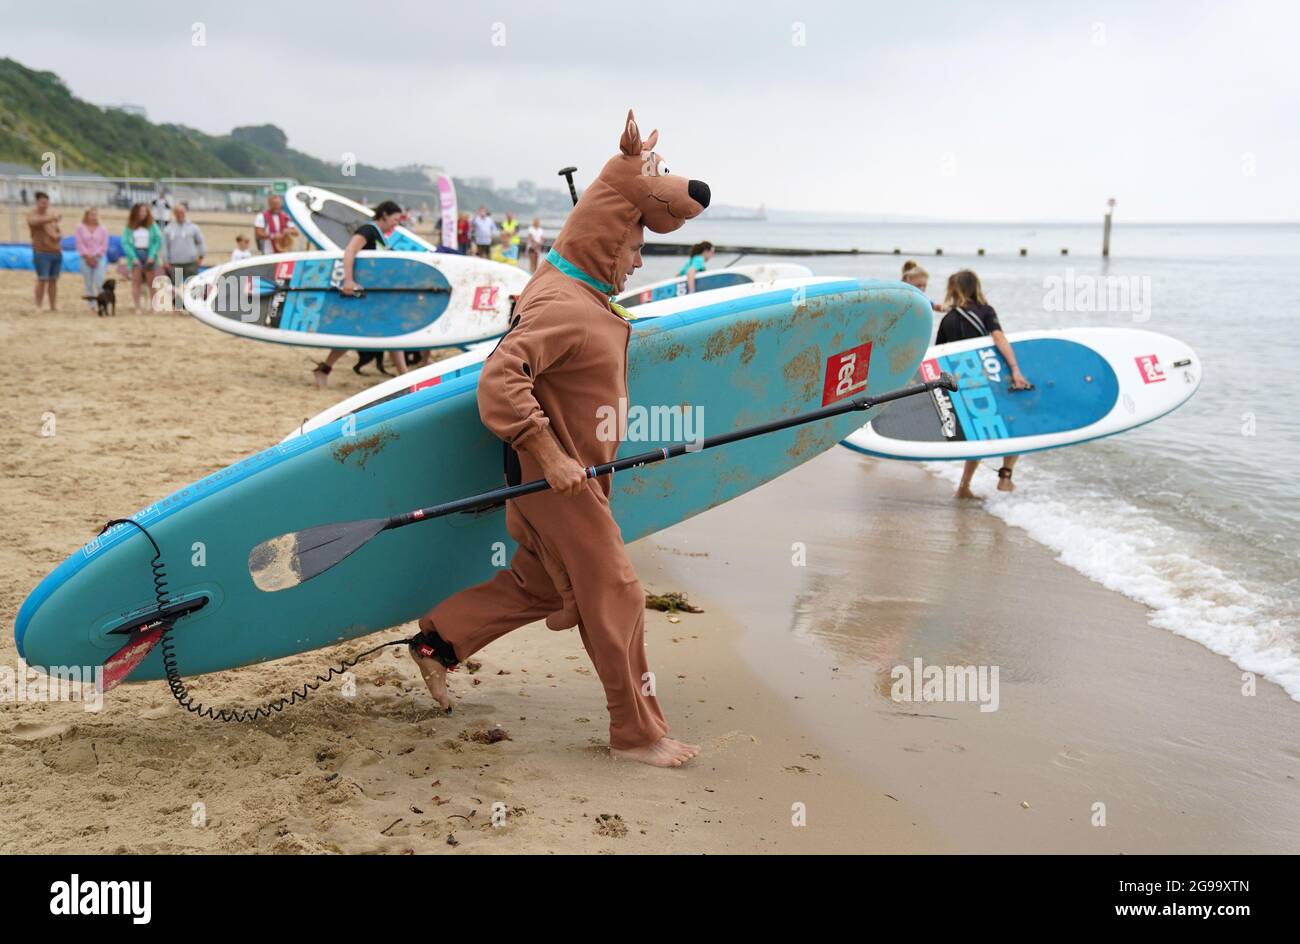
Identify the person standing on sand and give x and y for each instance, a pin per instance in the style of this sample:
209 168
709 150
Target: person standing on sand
536 242
47 250
971 316
462 233
485 230
185 250
162 209
274 230
92 246
563 362
142 245
368 236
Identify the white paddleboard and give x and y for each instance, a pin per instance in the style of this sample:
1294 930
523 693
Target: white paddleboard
329 219
1087 383
711 280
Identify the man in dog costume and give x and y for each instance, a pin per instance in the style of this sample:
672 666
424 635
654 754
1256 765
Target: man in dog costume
541 391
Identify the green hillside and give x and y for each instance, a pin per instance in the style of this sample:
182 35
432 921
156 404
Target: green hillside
38 114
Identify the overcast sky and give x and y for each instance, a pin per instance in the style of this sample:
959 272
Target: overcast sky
974 110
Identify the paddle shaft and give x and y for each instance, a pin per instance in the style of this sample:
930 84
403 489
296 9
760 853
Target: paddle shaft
499 495
432 290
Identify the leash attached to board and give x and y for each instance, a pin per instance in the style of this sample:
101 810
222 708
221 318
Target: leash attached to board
155 630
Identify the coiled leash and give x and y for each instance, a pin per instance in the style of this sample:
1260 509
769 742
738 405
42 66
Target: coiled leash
429 647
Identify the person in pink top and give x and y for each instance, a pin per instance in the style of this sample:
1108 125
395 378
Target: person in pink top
92 246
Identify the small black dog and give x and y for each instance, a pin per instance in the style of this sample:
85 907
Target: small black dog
106 300
365 357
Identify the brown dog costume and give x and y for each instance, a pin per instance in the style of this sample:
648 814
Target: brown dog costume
565 357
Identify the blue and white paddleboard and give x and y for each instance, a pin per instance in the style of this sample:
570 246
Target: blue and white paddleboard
1087 383
720 366
711 279
412 300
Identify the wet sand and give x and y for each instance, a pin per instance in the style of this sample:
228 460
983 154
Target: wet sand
1095 705
784 679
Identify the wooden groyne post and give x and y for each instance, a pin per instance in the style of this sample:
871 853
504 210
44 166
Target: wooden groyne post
1105 232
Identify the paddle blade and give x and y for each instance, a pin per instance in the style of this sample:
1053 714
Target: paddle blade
292 558
123 662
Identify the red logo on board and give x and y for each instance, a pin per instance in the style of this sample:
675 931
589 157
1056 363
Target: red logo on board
648 295
1150 369
432 381
485 298
283 271
846 373
930 370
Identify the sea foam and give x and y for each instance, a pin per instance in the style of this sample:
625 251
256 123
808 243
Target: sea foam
1126 549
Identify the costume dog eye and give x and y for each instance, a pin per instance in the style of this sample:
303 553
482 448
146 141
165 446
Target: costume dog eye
661 169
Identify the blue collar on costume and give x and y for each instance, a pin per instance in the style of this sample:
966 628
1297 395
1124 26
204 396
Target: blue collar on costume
573 272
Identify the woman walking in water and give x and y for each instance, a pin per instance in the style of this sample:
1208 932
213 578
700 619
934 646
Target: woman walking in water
971 316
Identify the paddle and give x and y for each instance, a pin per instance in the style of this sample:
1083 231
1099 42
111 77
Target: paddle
290 559
567 173
270 288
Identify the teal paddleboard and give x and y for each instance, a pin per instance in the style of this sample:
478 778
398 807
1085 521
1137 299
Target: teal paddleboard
746 360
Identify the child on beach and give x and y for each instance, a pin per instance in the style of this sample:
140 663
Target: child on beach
699 254
971 316
241 250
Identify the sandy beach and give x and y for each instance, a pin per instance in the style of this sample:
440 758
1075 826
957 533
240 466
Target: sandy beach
784 679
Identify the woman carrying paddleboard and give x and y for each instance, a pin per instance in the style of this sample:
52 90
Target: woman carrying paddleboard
368 236
971 316
556 372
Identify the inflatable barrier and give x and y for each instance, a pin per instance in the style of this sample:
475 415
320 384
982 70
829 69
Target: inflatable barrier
19 255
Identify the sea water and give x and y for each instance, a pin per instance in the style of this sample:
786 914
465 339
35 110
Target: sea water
1196 515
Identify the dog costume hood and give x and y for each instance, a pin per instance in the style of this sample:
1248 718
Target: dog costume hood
633 189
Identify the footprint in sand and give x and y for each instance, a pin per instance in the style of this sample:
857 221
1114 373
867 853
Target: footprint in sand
37 731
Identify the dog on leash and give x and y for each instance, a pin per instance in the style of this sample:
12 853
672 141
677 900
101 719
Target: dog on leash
106 300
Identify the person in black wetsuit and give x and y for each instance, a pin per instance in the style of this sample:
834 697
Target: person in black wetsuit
367 236
971 316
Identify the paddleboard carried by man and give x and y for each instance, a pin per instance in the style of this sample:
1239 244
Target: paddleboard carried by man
558 370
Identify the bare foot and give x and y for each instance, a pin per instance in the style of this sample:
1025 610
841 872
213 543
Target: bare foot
963 491
1006 485
434 674
664 752
322 376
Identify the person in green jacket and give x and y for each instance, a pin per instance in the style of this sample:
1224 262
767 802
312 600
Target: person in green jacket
142 243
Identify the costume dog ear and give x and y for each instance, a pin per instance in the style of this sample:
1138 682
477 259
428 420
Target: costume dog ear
630 143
